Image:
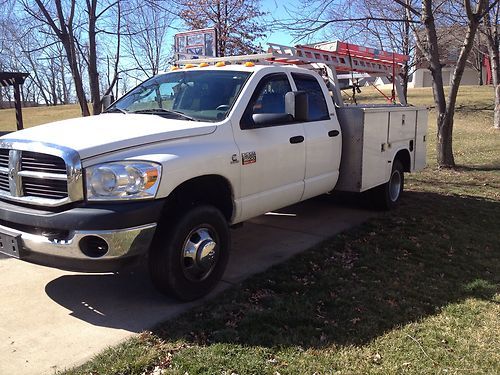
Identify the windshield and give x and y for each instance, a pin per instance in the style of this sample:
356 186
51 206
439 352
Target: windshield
193 95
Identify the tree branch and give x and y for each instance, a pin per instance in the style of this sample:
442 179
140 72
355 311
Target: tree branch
408 7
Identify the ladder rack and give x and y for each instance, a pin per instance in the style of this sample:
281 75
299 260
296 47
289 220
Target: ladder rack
342 61
345 58
335 57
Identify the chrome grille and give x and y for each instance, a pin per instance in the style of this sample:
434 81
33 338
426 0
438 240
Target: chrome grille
4 182
42 188
36 162
4 164
51 177
4 158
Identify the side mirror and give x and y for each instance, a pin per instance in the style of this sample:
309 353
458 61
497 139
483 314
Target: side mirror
297 105
106 101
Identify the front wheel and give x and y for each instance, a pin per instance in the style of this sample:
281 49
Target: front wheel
387 195
189 256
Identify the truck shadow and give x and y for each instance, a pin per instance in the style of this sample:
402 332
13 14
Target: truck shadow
120 300
401 268
127 300
347 290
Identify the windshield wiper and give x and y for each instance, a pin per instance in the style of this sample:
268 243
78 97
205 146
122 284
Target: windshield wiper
160 111
115 109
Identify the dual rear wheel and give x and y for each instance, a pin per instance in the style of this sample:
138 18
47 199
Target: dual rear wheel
387 195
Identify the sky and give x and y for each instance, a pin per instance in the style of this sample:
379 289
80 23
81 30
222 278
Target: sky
276 10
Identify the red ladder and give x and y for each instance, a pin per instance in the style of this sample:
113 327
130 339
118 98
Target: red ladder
344 57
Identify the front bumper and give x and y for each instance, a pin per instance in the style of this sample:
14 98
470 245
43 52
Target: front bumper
58 239
123 246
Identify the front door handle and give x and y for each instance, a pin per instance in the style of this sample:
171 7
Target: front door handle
333 133
297 139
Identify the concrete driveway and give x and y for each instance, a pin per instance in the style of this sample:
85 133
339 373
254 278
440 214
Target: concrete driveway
51 319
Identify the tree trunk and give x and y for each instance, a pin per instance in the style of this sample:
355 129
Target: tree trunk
37 81
446 108
53 82
64 84
93 73
444 148
495 71
496 117
406 51
444 144
77 78
480 81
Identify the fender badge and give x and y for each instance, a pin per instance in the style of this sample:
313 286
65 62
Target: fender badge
248 158
234 159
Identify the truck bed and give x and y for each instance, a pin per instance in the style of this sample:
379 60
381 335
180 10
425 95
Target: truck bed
371 137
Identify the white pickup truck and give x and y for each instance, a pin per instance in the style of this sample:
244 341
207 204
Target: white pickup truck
170 166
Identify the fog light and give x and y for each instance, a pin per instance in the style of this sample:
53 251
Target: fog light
93 246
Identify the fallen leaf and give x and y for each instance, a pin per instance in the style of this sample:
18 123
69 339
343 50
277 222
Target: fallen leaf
377 358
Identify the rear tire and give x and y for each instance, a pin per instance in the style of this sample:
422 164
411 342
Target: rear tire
387 195
189 255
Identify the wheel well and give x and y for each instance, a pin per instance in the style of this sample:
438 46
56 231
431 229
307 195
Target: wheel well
404 157
210 189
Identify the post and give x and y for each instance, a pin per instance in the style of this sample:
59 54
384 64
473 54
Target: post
17 100
334 85
399 89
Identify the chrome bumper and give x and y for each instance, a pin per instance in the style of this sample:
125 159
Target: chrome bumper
122 243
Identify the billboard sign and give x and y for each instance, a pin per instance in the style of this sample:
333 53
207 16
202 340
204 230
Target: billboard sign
195 44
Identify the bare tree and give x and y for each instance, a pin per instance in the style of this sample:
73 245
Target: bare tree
15 49
94 14
77 27
377 23
146 26
388 27
476 58
62 23
238 22
422 16
429 46
395 36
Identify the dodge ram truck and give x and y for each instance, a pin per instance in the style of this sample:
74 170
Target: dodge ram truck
168 168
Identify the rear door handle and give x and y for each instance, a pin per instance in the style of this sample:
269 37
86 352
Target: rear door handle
297 139
333 133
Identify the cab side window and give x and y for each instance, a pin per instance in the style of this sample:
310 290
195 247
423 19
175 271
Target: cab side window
318 109
268 98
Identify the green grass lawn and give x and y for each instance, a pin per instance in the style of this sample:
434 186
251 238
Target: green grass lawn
415 290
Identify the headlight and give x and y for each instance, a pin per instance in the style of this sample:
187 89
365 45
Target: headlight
122 180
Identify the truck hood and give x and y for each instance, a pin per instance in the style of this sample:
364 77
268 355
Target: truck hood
95 135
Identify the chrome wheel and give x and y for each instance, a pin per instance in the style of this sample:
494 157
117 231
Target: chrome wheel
200 253
189 253
395 185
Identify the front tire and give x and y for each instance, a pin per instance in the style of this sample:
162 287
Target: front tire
387 195
189 255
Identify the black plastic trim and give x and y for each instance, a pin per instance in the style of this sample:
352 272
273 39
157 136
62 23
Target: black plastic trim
85 216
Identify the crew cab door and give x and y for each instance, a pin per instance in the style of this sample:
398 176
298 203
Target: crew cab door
322 134
273 153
